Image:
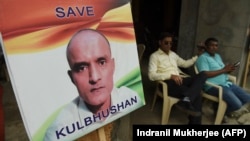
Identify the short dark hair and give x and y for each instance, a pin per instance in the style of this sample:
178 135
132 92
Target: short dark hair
166 34
210 39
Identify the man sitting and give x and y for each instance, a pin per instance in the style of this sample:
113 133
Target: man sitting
164 65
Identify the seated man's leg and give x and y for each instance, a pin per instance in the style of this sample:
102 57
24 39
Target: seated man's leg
195 85
192 92
241 94
191 89
185 104
234 104
197 104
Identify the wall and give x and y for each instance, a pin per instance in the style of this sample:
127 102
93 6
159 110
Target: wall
225 19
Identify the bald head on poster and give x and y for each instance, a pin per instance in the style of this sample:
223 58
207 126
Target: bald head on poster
98 102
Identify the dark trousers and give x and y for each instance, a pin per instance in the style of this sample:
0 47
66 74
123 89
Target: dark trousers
191 87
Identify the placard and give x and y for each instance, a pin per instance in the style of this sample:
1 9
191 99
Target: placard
35 35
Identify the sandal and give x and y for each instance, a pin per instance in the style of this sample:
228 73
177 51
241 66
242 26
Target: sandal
237 113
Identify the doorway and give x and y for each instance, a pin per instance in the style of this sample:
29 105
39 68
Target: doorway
151 18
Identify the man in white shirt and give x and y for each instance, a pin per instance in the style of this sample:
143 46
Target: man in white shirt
164 65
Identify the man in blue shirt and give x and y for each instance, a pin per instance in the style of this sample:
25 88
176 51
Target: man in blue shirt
210 62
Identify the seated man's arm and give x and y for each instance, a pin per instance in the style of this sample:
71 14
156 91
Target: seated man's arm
204 65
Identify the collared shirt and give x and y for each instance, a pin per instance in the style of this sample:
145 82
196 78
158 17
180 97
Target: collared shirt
162 66
78 120
206 62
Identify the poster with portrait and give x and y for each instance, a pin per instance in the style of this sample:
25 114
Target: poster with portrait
35 35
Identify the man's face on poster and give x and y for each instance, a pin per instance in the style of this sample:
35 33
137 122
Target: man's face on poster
92 68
